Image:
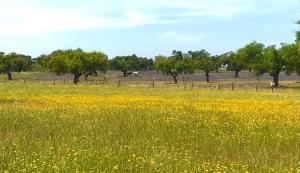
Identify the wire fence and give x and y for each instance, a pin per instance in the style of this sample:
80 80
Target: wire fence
216 85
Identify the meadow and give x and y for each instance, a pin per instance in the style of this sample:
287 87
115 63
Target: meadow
46 128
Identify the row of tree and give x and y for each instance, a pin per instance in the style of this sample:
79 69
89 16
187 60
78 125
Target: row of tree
80 63
255 57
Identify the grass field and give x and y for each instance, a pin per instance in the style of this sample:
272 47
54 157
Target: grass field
48 128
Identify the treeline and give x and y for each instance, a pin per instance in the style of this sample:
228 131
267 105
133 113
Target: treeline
255 57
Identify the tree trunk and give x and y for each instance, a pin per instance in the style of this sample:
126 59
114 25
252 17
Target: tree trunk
124 73
76 79
207 76
175 78
9 75
236 73
276 80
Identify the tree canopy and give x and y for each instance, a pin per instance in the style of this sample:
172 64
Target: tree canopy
130 63
174 65
203 61
13 62
76 62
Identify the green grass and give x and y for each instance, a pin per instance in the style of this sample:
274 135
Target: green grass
48 128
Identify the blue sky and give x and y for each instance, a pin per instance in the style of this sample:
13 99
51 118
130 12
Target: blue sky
144 27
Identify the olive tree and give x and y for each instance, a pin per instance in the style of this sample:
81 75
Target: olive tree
203 61
13 62
76 62
174 66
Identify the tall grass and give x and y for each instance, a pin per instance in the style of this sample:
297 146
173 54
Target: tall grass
119 129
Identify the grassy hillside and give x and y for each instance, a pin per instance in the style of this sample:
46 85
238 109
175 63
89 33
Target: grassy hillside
48 128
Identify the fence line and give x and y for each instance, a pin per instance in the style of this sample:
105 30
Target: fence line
218 85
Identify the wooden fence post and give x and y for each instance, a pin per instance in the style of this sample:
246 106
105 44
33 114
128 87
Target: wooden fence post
153 83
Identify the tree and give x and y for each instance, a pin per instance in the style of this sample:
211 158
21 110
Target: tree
203 61
76 62
217 63
198 55
233 62
13 62
177 54
174 66
56 63
258 66
207 65
1 61
291 56
122 63
274 63
144 64
130 63
22 63
285 59
248 54
298 45
96 61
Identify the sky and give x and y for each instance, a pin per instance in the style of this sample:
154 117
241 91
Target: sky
144 27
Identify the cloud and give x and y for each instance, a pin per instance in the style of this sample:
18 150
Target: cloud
33 16
19 17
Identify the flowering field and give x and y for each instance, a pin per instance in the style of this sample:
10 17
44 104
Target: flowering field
119 129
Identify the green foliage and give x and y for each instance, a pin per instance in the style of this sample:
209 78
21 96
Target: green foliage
258 65
203 61
97 61
199 55
217 62
174 65
248 54
291 56
130 63
76 62
177 54
123 63
298 38
233 62
13 62
273 61
248 57
57 64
